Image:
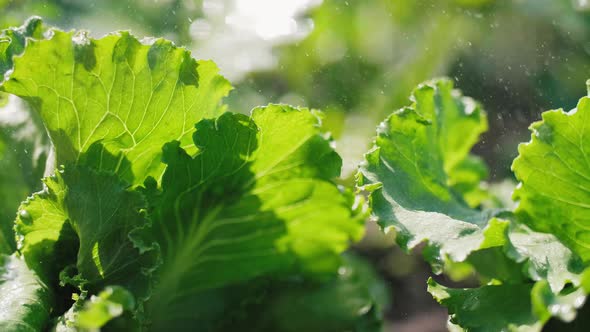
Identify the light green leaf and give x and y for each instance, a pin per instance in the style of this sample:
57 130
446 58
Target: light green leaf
466 179
554 174
104 307
25 301
13 41
458 122
128 96
258 198
111 310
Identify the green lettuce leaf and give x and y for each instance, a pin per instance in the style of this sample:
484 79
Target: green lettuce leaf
295 304
86 219
247 198
13 41
308 307
545 258
127 96
418 158
554 174
110 310
510 307
45 238
563 305
257 199
408 173
415 192
490 308
25 301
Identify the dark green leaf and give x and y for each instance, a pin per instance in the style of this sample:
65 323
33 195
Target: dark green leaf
489 308
85 218
257 199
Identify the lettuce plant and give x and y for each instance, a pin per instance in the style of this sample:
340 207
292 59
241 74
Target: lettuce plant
162 211
427 187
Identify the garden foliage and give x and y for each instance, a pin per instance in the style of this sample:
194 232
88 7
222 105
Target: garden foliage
427 187
158 208
161 210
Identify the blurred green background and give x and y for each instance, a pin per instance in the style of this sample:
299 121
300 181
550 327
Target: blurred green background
358 60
